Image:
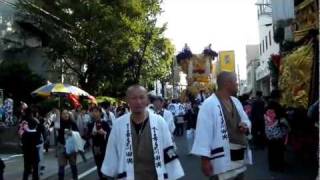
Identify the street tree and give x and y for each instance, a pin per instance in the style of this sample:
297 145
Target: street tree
106 44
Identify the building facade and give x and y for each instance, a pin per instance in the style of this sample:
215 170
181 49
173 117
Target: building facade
18 45
267 46
22 42
252 57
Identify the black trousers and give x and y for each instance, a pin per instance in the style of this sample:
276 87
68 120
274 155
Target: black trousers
179 129
30 166
259 139
240 176
2 166
276 154
99 160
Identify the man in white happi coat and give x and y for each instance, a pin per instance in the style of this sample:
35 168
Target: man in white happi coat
140 144
222 127
158 103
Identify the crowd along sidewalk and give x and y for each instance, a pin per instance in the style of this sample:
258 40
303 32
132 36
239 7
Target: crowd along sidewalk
15 166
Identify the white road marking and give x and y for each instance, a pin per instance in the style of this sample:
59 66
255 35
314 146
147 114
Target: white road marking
11 157
86 173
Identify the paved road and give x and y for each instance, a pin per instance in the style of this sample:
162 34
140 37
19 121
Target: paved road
191 165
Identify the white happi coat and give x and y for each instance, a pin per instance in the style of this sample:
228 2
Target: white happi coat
110 117
118 161
211 138
168 116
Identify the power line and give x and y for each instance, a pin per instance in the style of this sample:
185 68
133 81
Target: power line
8 3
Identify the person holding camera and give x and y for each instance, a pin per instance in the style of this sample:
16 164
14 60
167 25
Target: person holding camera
99 131
66 147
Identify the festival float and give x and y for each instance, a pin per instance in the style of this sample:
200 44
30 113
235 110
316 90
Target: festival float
295 77
199 70
298 66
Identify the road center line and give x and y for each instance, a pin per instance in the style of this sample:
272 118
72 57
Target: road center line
86 173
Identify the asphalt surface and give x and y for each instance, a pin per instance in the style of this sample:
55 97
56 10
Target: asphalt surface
191 166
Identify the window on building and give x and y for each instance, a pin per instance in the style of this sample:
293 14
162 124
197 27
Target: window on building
266 40
262 46
270 38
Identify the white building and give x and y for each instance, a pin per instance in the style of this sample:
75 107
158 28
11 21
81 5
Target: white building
243 87
267 45
175 85
252 56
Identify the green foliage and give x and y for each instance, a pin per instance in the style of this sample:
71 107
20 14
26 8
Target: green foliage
48 104
112 100
19 80
107 44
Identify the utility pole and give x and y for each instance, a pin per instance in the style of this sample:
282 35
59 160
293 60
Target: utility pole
61 70
238 79
1 97
254 84
156 87
173 78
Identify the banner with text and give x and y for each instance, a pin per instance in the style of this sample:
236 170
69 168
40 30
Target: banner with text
226 61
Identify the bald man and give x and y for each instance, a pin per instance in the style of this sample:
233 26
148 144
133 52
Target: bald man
222 127
140 144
